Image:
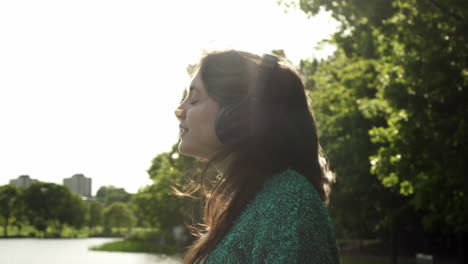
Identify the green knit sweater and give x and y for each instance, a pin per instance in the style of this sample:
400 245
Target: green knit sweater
286 222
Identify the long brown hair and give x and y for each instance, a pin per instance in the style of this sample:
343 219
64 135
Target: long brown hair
275 130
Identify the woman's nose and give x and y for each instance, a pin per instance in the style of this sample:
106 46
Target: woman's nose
180 113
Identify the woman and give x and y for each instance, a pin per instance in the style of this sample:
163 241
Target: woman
249 118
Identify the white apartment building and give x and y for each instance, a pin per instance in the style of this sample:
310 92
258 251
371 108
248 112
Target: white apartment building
79 184
23 181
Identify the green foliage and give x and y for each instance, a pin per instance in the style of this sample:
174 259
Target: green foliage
137 246
111 194
157 204
400 75
74 211
279 52
29 231
338 89
118 214
95 212
20 212
10 202
149 242
53 205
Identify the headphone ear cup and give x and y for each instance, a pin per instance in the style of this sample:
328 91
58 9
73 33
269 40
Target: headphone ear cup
222 123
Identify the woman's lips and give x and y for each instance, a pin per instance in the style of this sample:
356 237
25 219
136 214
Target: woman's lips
183 130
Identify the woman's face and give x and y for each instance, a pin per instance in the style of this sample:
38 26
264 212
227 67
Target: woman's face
197 115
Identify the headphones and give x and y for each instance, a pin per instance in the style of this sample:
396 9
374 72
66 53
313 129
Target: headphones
224 127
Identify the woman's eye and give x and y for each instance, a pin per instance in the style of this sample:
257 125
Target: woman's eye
193 102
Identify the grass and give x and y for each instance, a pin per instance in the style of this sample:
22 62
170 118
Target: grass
67 232
137 246
143 241
30 231
14 232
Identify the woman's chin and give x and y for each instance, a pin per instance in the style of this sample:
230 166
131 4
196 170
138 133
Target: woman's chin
186 150
182 148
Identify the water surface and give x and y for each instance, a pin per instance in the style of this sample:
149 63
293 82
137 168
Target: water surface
71 251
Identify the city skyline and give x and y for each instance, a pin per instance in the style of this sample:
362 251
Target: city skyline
78 183
24 181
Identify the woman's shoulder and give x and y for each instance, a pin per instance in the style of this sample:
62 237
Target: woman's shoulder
286 222
289 222
288 190
287 200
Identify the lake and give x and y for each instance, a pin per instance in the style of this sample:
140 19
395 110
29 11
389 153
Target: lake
71 251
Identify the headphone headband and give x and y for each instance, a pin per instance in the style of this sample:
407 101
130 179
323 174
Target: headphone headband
223 130
269 61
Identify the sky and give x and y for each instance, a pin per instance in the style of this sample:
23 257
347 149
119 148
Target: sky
91 86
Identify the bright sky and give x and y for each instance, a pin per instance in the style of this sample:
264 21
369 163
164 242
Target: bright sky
91 86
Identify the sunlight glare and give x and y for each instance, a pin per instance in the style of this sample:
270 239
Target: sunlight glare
91 86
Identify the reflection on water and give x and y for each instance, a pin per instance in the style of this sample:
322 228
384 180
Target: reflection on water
71 251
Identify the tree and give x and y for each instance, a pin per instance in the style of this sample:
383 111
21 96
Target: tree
110 194
336 88
157 204
20 212
9 199
95 212
73 211
53 205
419 52
159 207
118 215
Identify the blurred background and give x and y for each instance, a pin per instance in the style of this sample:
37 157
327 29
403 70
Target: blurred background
88 134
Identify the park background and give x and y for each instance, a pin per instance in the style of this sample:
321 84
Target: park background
390 101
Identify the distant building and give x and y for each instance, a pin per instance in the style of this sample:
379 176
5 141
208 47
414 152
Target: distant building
79 184
23 181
